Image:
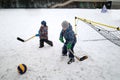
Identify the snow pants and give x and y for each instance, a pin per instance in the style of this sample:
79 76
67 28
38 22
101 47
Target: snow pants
64 50
47 41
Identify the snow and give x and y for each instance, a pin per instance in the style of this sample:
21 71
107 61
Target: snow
47 63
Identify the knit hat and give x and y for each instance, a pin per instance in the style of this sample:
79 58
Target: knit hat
65 24
43 23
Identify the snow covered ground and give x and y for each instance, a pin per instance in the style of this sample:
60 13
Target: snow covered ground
47 63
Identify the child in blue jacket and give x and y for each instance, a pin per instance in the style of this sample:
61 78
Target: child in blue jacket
70 40
43 35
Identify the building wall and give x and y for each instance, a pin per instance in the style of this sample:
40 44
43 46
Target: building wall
115 4
48 3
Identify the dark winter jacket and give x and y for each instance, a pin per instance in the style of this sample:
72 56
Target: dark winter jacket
69 35
43 32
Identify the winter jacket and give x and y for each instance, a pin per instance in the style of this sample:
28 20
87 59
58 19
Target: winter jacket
69 35
43 32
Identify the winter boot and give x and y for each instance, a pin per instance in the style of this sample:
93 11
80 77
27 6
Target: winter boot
41 46
51 43
71 60
64 54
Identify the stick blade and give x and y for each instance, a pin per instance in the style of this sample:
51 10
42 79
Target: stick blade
83 58
18 38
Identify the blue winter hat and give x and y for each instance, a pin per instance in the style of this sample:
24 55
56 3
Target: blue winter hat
43 23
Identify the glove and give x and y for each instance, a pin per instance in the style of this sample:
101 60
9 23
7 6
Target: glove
69 45
37 35
61 39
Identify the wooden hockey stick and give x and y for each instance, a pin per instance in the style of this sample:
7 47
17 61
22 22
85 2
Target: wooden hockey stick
79 59
22 40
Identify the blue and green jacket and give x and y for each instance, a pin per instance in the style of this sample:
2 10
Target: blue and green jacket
68 35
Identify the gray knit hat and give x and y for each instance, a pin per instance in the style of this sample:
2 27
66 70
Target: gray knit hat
65 24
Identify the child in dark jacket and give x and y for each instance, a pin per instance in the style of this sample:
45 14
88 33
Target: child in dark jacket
43 35
70 40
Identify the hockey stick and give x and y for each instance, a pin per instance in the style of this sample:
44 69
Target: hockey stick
18 38
79 59
22 40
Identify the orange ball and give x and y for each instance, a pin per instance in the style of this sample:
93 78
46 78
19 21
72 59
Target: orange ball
22 68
